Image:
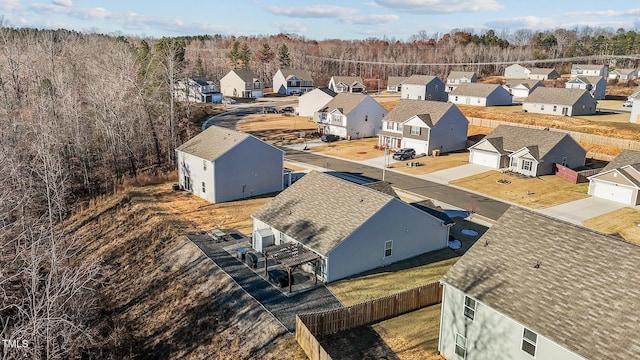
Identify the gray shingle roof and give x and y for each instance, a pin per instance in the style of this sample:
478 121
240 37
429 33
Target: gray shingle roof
526 82
320 210
349 80
541 71
460 74
559 96
407 108
298 73
246 75
586 67
430 208
515 138
327 91
475 89
346 102
383 187
631 173
584 295
396 80
589 80
419 79
626 157
213 142
624 71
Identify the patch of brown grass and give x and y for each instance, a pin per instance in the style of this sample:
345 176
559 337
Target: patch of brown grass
429 164
478 130
388 103
279 129
540 192
623 221
360 149
601 149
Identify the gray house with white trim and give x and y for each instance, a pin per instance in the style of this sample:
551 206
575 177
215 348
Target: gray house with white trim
536 73
288 81
424 87
459 77
351 228
221 164
534 287
559 101
424 126
521 88
595 85
480 95
527 151
589 70
619 181
394 83
347 84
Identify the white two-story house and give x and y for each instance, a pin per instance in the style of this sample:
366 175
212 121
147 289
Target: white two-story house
292 81
350 116
242 84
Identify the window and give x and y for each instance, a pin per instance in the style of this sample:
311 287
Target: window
388 248
461 346
415 130
389 125
419 97
565 110
204 165
529 342
564 161
204 189
469 308
514 162
478 100
554 108
436 87
542 107
526 165
366 118
456 98
281 238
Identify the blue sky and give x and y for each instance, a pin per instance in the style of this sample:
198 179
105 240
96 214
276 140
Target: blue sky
318 20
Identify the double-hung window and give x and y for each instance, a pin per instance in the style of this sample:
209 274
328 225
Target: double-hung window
461 346
526 165
529 342
388 248
469 308
415 130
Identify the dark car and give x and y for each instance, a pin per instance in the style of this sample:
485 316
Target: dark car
288 109
404 154
269 110
280 277
329 138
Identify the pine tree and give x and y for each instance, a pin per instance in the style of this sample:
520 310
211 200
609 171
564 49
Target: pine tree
283 56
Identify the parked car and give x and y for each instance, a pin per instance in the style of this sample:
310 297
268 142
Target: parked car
280 277
329 138
628 103
287 109
269 110
404 154
228 101
295 93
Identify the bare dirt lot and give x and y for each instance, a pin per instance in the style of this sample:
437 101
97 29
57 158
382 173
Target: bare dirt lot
278 129
360 149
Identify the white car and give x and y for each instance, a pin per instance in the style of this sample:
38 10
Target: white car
228 101
628 103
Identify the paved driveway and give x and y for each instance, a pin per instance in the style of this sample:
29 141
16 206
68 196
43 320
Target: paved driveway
447 175
578 211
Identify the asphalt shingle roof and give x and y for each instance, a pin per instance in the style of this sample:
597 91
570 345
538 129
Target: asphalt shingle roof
407 108
298 73
396 80
515 138
586 67
460 74
541 71
526 82
584 295
349 80
559 96
419 79
626 157
213 142
383 187
475 89
346 102
247 76
320 210
429 207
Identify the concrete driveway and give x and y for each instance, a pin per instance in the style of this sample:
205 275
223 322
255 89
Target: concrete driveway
578 211
458 172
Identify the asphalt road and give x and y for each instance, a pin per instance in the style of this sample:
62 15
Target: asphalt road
484 206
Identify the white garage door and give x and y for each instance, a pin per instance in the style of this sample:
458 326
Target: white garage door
520 93
418 145
613 192
485 159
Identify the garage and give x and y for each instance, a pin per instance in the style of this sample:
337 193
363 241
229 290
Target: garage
420 146
484 158
614 192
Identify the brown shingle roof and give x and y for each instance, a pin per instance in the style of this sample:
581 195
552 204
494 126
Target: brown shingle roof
515 138
349 80
419 79
626 157
407 108
320 210
475 89
298 73
461 74
213 142
586 67
526 82
346 102
396 80
584 295
383 187
541 71
247 76
559 96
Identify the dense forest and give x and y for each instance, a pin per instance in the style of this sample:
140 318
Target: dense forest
81 112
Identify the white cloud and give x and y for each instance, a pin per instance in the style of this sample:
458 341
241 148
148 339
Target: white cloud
440 6
290 27
607 13
318 11
67 3
370 19
10 5
522 22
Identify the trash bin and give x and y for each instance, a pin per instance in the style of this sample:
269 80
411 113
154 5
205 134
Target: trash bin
242 253
252 260
436 152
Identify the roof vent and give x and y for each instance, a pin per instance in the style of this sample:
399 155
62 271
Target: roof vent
537 265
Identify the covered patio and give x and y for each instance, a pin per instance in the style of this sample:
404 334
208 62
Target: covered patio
290 255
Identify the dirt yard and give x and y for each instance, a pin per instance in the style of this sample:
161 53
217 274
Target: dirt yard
537 193
361 149
278 129
622 221
429 164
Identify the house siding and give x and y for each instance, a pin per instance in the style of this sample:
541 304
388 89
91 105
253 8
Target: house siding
584 106
312 101
192 166
450 133
248 169
635 112
516 71
491 335
233 86
425 92
413 232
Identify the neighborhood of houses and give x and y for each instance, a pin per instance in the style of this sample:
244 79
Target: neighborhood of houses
531 287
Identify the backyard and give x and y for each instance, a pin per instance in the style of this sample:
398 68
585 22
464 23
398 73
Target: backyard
623 221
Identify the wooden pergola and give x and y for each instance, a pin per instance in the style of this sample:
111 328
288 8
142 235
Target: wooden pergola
290 255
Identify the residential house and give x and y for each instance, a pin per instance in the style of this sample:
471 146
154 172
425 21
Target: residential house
314 100
516 71
349 228
350 116
535 287
424 126
459 77
595 85
241 83
347 84
536 73
480 95
197 90
623 74
527 151
620 180
559 101
423 87
521 88
394 83
589 70
292 81
221 165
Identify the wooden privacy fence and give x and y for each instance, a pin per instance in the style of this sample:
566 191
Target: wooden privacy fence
578 136
309 343
336 320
